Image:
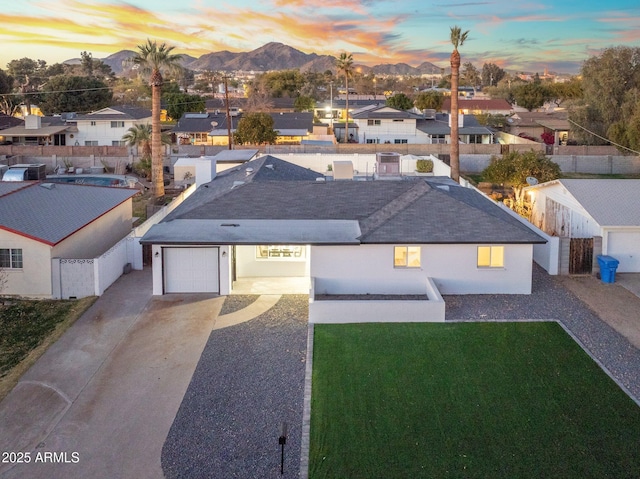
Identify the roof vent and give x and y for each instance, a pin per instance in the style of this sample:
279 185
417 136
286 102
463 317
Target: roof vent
237 183
234 225
48 186
321 179
248 171
270 166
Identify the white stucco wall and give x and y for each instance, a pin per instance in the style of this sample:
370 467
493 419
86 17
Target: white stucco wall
34 279
453 268
98 236
248 266
101 131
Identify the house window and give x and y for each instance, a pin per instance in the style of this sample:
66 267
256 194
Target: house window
397 120
118 143
475 139
400 142
406 256
91 143
438 139
490 256
373 122
11 258
92 123
373 140
117 124
283 252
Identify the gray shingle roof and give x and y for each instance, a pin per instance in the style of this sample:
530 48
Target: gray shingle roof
126 112
388 211
51 214
611 202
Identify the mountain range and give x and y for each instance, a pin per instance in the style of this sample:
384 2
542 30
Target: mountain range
269 57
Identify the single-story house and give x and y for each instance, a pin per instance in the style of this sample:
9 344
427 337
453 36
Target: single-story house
40 221
592 208
211 128
478 106
40 130
271 219
534 123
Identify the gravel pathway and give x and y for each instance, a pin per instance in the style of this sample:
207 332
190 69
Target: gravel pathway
550 300
236 302
249 380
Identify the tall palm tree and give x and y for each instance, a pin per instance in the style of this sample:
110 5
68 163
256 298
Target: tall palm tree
344 64
457 40
153 59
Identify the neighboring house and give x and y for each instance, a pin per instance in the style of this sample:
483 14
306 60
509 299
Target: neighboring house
40 130
592 208
270 218
107 126
384 124
478 106
534 124
212 129
7 121
42 221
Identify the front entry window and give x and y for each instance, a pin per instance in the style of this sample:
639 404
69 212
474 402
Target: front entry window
280 252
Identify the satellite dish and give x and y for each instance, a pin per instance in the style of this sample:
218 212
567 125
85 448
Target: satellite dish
214 124
531 180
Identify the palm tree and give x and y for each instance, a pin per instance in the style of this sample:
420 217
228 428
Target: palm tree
139 135
344 64
153 59
457 39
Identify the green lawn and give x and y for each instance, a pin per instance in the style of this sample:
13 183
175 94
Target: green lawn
465 400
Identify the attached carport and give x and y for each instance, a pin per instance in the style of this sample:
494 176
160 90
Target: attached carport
193 256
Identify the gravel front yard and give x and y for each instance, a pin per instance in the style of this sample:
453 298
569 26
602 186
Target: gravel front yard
249 380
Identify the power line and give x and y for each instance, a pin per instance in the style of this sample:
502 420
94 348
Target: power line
603 138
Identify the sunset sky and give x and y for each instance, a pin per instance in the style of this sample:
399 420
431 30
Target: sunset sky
516 35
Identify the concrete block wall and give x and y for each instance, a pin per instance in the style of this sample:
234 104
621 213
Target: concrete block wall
565 244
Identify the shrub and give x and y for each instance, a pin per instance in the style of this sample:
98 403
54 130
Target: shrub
424 166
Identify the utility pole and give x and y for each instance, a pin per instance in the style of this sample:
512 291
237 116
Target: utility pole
226 103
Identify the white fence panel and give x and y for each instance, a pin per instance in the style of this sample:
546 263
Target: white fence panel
77 278
109 266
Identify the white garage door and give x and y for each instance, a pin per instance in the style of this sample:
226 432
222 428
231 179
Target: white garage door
191 270
625 247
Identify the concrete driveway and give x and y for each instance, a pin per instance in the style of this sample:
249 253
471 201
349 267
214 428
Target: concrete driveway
100 402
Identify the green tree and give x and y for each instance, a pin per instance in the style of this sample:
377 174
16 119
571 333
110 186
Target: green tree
27 76
611 89
430 100
139 136
344 65
471 75
400 101
491 74
304 103
531 95
153 60
278 84
74 94
565 91
512 169
255 129
457 38
180 103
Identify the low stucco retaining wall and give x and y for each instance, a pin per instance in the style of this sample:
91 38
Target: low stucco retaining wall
341 310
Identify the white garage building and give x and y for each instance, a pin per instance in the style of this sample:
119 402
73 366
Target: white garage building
587 208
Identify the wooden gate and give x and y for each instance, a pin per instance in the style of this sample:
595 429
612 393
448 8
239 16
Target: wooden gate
580 255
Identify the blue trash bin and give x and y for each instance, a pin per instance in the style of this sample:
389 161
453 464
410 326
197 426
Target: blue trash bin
608 266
